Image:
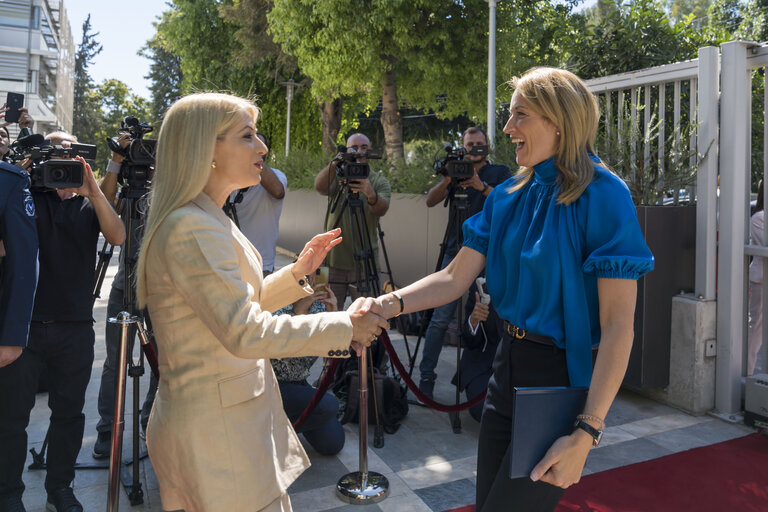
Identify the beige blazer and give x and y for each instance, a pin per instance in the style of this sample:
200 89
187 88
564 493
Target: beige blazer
218 437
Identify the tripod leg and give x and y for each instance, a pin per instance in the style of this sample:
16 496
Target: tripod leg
38 459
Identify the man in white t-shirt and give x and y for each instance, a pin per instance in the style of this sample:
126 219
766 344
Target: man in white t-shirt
258 212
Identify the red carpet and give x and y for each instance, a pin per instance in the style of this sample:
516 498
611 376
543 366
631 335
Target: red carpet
724 477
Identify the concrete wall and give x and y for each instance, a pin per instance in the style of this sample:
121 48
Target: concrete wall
692 356
412 232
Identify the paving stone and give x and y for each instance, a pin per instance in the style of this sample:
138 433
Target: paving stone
623 454
446 496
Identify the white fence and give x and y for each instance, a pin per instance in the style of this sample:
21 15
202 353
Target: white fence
713 92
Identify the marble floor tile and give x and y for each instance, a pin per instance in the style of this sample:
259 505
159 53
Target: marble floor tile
707 432
664 423
439 473
446 496
614 435
623 454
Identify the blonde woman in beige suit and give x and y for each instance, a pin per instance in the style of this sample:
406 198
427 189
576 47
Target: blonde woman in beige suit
218 437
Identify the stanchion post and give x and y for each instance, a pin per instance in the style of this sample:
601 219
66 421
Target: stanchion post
116 451
363 487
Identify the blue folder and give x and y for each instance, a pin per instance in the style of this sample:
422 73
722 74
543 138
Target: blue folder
541 416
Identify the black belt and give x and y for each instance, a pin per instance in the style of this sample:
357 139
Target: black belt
521 334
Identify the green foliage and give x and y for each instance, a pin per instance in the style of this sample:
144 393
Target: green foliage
300 166
629 37
650 181
680 10
233 54
164 72
86 115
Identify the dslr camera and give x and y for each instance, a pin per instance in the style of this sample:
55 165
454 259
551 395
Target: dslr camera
454 165
139 155
52 166
348 167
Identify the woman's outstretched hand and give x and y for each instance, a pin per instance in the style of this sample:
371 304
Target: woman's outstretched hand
314 252
366 322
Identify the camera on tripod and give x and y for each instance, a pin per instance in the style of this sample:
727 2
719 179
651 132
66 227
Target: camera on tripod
139 155
454 164
52 166
348 167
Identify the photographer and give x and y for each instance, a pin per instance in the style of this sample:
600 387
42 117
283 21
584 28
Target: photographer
25 124
115 304
61 335
376 192
486 176
258 211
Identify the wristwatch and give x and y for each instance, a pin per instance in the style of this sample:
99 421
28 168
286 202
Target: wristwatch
596 434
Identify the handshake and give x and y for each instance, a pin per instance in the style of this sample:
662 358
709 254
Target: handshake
367 316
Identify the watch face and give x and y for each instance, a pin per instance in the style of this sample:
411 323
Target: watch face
597 439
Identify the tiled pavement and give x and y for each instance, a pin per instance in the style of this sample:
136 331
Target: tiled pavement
428 466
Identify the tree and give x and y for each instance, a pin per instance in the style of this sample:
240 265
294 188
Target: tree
86 115
680 10
230 56
427 54
635 36
164 72
400 51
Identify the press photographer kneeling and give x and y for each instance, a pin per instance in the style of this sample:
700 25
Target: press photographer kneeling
71 211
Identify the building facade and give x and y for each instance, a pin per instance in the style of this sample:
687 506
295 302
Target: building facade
37 59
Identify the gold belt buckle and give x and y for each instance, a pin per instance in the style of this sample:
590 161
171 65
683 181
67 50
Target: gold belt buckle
518 332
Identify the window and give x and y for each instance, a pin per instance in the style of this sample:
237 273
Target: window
16 13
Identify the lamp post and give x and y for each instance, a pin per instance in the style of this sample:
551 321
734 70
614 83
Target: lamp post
289 86
491 72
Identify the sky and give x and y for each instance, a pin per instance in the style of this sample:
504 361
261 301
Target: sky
123 27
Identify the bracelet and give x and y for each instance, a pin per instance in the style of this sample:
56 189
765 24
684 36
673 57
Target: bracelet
402 304
592 418
485 187
376 200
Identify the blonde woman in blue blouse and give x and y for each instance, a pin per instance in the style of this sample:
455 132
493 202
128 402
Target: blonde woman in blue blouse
563 251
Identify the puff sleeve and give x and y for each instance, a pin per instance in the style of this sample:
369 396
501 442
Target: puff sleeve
614 244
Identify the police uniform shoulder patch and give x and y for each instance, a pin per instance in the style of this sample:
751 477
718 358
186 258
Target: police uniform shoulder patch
29 205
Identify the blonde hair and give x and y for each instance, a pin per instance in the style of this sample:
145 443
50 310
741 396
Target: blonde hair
185 148
564 100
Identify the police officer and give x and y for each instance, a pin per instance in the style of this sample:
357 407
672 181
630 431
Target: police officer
19 268
17 292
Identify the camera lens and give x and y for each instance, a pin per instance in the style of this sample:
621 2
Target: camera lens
58 174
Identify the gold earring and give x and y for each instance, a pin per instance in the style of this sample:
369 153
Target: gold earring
213 164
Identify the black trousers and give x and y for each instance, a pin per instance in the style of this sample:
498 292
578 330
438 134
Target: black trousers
518 363
67 350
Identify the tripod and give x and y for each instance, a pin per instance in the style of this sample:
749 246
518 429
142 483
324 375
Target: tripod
366 271
457 198
130 213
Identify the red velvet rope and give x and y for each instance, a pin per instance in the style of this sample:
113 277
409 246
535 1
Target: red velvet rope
384 337
319 394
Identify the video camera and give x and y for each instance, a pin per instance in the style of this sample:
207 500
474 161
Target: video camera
348 167
454 165
52 166
139 155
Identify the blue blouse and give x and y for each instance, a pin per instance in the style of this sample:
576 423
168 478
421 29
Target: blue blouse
543 259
